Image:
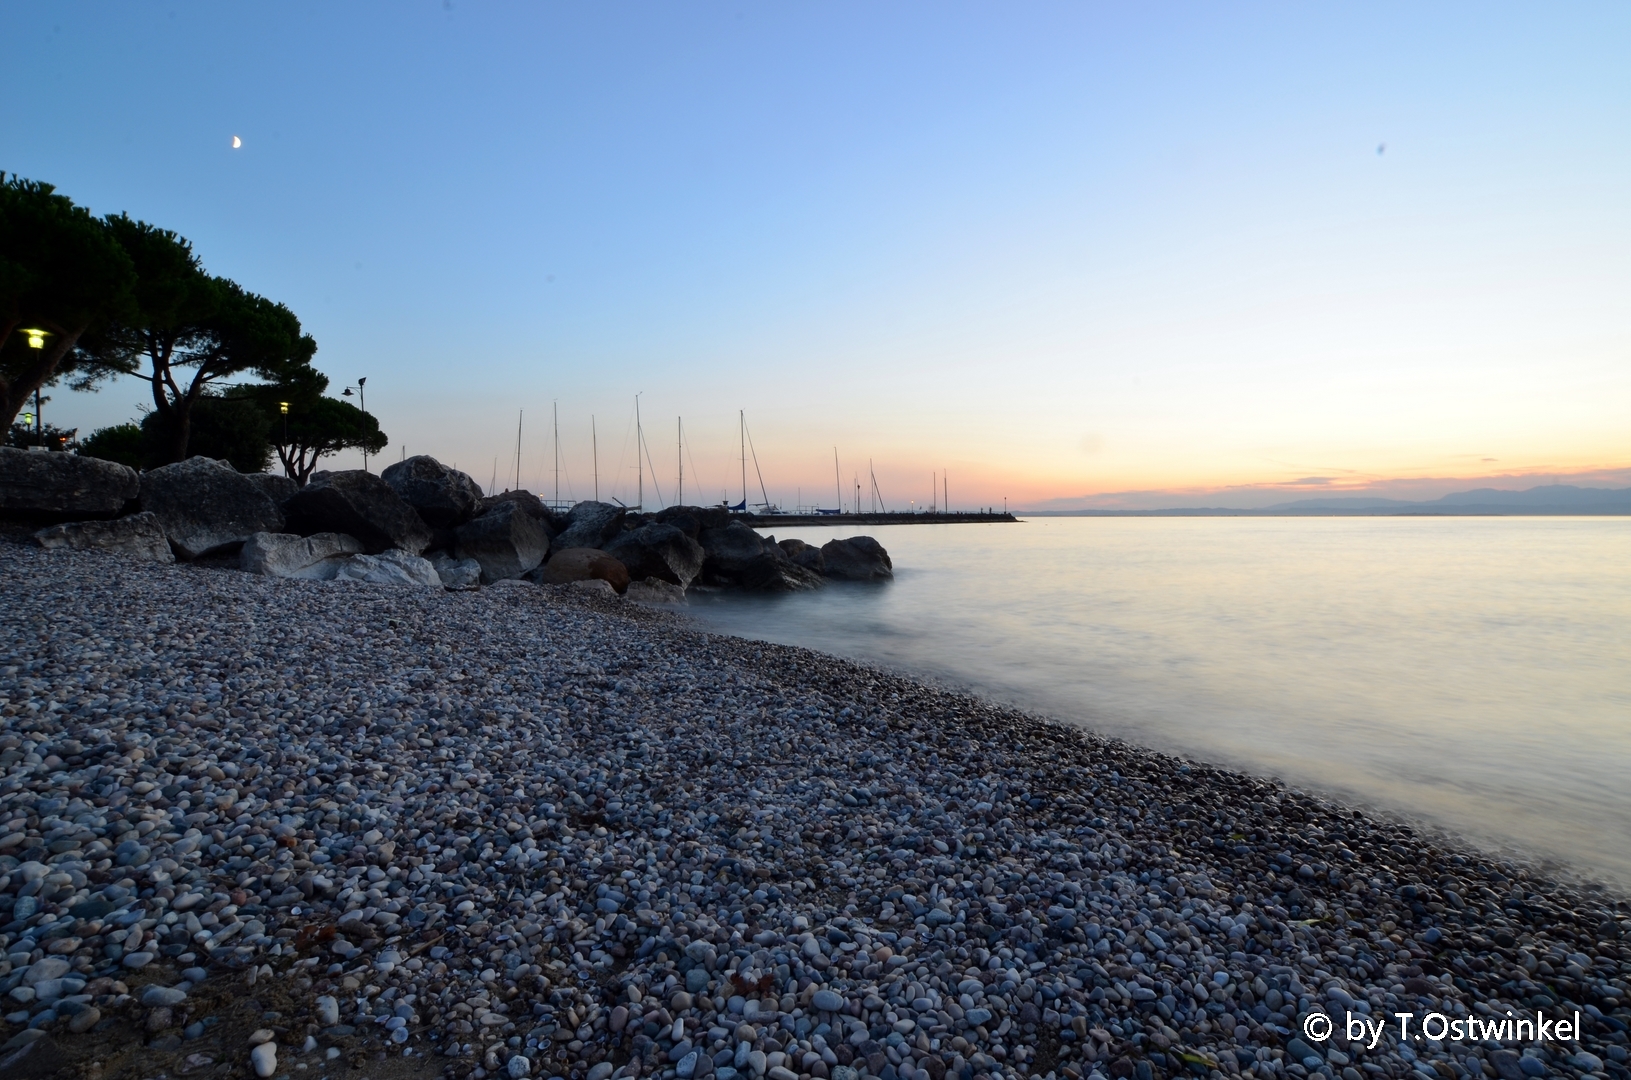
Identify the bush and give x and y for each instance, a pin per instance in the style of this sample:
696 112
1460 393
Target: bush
124 443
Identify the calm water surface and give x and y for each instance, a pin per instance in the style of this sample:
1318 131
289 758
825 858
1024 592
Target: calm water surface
1474 673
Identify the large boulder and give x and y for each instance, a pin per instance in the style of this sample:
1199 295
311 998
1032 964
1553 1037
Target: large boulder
456 574
206 505
445 498
529 502
507 541
40 484
358 504
691 520
392 567
590 524
317 557
736 556
860 558
139 536
658 551
280 489
582 564
805 555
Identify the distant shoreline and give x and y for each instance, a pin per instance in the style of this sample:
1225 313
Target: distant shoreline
1467 511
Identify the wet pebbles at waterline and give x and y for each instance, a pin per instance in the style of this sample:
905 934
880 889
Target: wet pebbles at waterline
529 832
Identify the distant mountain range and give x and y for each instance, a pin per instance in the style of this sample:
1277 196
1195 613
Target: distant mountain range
1548 499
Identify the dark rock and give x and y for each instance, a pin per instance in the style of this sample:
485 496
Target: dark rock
444 498
582 564
737 556
691 520
802 554
590 524
206 505
37 484
860 558
507 541
529 502
280 489
358 504
658 551
25 1058
139 536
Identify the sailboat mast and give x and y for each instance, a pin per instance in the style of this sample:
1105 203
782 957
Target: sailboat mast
639 441
742 441
518 415
594 450
557 454
837 482
680 448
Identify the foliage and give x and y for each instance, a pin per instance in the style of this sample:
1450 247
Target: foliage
182 318
124 443
23 436
322 426
61 271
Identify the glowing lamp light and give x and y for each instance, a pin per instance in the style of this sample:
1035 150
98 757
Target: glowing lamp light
36 338
283 407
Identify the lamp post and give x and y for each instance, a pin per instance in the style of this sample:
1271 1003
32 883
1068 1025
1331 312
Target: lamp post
363 399
36 340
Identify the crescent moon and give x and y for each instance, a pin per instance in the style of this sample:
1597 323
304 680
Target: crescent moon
236 142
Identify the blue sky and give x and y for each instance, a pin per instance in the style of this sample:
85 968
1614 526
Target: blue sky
1075 254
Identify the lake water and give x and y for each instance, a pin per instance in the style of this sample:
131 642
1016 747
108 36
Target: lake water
1471 673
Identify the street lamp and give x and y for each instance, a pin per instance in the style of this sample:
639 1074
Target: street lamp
36 340
363 399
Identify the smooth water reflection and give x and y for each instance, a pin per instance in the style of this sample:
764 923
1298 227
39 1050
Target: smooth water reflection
1474 672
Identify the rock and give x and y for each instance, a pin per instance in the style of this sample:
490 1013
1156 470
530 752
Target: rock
582 564
456 573
518 1067
655 591
36 484
280 489
526 500
860 558
85 1019
691 520
802 554
589 525
390 568
206 505
593 587
658 551
51 967
31 1054
139 536
737 556
444 498
156 995
328 1011
600 1071
359 504
264 1058
827 1000
506 541
1506 1065
317 557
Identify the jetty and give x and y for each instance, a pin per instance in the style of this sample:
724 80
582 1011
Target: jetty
759 521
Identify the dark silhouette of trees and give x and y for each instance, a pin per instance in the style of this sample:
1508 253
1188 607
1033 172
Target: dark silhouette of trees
61 272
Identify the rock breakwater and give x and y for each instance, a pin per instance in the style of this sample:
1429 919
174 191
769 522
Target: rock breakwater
532 831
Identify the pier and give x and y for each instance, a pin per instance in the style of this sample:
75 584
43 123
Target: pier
761 521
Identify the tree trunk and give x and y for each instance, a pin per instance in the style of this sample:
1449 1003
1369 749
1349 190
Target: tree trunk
14 394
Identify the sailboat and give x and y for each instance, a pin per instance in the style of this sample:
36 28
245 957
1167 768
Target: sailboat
746 439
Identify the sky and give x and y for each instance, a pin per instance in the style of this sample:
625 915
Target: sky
1055 255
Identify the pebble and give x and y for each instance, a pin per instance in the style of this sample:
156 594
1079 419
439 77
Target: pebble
264 1059
622 836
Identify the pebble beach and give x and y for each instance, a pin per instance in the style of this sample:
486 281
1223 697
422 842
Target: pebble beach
253 826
